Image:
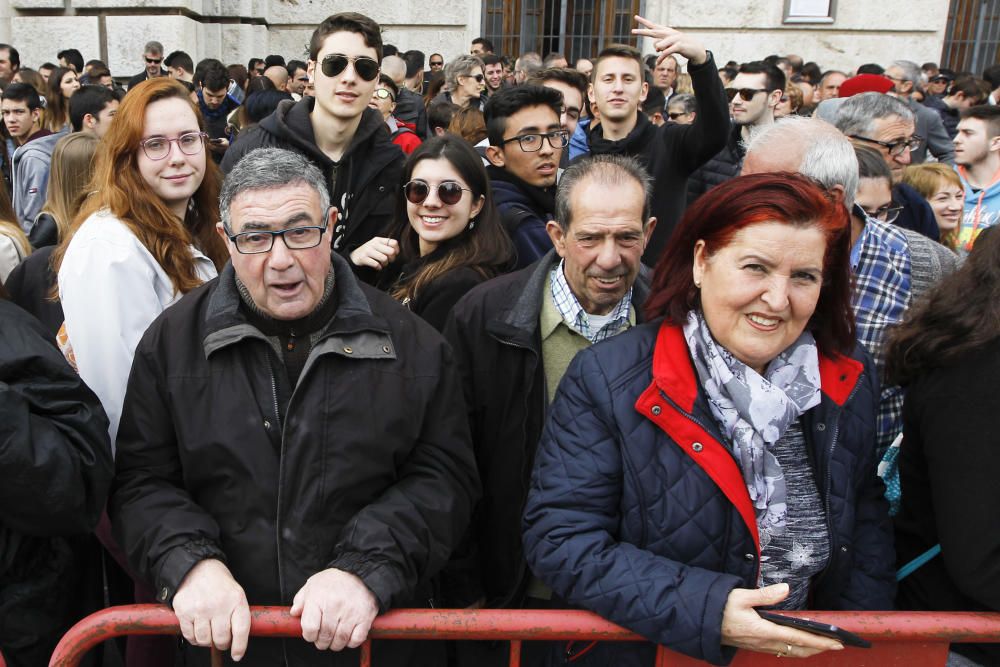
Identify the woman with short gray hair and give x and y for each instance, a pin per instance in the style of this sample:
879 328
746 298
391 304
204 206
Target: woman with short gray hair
464 82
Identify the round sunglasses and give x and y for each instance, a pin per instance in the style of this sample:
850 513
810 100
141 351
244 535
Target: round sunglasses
449 192
364 67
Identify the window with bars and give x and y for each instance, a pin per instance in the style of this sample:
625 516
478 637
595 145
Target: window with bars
972 36
575 28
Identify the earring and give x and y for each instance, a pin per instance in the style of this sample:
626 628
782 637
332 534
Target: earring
472 223
697 284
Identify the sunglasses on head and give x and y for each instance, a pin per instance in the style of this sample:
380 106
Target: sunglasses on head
449 192
365 67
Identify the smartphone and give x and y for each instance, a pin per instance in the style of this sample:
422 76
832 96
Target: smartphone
817 628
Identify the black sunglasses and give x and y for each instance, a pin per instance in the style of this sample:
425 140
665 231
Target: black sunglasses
437 64
154 61
449 192
478 77
674 115
746 93
365 67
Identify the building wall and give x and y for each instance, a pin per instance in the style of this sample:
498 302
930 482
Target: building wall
236 30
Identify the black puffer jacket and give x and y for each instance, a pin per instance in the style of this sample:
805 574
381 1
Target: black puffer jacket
361 184
724 165
370 472
55 470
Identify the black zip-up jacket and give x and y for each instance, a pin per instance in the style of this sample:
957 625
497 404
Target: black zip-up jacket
55 471
724 165
370 472
361 184
671 152
494 332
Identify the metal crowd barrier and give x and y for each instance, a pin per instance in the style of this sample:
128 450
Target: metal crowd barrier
900 639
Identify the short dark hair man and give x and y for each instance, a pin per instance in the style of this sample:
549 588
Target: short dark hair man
92 108
481 46
337 131
753 96
319 502
670 152
179 66
10 62
29 169
963 93
526 143
414 70
256 67
493 71
72 59
216 104
152 55
298 77
977 151
532 323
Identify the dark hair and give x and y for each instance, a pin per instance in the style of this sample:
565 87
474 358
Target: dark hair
273 60
23 92
987 113
485 248
871 164
387 81
617 51
390 50
347 22
90 99
970 87
239 74
811 72
508 101
991 74
56 106
294 66
565 75
871 68
203 66
436 54
179 59
94 62
487 44
490 59
215 77
15 57
741 202
729 73
655 102
263 103
961 314
252 64
773 76
414 62
440 113
73 57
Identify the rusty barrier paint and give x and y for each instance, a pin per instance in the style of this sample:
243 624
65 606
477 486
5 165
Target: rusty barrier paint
903 639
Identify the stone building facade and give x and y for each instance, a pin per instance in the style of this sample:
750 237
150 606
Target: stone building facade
236 30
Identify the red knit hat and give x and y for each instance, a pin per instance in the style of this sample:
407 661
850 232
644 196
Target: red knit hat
866 83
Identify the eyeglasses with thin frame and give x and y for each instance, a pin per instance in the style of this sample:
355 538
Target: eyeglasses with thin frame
261 241
383 94
365 67
189 143
449 192
746 93
153 61
895 148
531 143
887 213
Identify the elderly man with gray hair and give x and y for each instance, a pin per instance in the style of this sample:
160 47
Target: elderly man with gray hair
251 470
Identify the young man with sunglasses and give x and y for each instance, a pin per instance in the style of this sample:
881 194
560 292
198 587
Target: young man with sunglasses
753 96
526 143
670 152
338 131
152 55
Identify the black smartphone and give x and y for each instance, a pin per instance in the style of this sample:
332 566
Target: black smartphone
815 627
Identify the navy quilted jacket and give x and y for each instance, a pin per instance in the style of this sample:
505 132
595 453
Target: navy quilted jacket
638 513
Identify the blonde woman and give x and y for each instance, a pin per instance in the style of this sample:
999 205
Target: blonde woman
14 245
71 168
940 185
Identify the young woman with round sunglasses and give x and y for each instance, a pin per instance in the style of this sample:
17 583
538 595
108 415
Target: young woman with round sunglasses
448 232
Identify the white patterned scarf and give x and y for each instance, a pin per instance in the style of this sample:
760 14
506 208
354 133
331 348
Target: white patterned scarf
753 411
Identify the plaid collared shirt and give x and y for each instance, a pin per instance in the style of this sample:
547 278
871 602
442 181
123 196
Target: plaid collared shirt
880 261
576 318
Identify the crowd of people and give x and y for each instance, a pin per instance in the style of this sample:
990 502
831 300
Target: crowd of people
664 338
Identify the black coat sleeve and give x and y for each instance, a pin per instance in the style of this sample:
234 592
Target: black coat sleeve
695 144
55 455
442 295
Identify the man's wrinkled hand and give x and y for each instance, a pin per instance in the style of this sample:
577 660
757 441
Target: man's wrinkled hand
212 609
336 610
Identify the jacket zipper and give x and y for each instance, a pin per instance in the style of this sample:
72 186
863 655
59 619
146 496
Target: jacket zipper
277 515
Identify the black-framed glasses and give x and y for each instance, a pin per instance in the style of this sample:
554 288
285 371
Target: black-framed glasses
887 213
478 77
157 148
674 115
895 148
260 241
365 67
153 61
449 192
746 93
383 94
437 64
531 143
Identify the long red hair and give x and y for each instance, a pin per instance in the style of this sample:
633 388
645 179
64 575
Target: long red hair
719 214
118 187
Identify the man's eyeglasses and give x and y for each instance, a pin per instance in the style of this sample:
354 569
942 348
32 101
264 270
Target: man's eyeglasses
531 143
478 77
383 94
153 61
449 192
887 213
295 238
157 148
746 93
895 148
365 67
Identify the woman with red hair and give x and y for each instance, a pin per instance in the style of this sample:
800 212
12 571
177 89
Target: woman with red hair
721 457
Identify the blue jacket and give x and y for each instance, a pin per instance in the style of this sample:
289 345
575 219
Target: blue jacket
524 218
637 512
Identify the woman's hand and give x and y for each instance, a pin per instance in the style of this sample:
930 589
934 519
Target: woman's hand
743 628
377 253
668 41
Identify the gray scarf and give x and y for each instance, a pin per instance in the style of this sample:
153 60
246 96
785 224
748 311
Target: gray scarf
753 411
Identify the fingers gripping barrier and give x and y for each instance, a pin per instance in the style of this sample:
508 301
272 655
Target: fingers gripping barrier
910 639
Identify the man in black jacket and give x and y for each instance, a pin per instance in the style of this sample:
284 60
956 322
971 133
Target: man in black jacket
670 152
337 131
251 469
530 324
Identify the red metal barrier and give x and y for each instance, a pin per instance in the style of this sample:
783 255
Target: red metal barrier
900 639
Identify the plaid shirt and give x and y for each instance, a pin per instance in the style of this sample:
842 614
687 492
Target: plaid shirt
576 318
880 261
